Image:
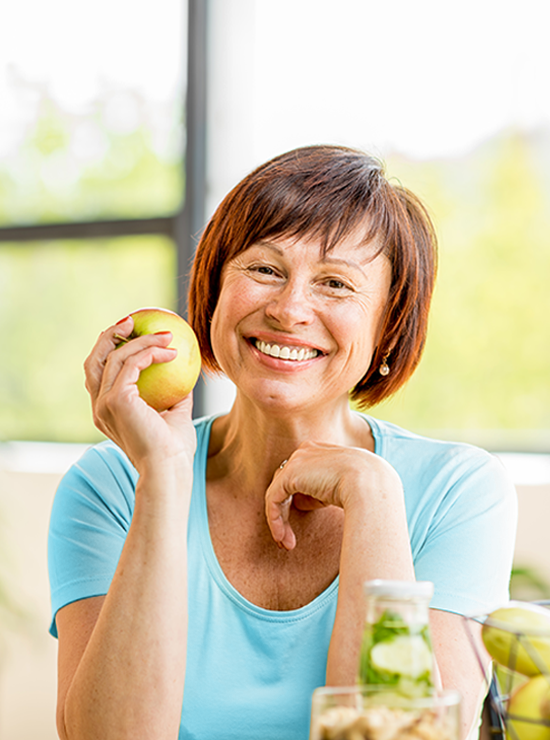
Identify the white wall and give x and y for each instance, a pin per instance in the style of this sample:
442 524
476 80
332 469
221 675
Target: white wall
28 666
533 540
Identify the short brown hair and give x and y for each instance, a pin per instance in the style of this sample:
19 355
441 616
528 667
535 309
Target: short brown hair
326 192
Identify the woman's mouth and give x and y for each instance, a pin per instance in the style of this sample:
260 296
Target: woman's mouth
283 352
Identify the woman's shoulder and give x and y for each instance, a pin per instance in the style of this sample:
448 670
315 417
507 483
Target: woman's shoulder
106 469
107 456
103 478
391 438
420 457
100 459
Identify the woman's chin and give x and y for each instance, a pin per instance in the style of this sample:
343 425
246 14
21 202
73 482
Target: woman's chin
282 400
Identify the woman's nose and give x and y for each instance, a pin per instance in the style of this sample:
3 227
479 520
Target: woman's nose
291 305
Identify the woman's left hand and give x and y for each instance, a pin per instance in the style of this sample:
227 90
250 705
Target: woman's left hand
318 475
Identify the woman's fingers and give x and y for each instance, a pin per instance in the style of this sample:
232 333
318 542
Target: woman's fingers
112 354
106 343
279 499
124 364
282 494
118 394
316 475
278 518
113 368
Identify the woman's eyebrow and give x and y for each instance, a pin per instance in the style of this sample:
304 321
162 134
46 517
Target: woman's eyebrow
340 261
269 245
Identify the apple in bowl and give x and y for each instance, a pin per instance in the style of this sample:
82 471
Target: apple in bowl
518 636
163 384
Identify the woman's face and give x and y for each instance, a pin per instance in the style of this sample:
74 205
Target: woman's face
293 328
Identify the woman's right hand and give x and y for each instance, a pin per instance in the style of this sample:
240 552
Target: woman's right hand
144 434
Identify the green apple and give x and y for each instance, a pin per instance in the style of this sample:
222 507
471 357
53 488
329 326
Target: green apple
164 384
528 712
518 636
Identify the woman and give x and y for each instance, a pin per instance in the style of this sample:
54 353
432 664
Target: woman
312 282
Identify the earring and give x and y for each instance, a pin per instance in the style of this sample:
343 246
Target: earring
384 368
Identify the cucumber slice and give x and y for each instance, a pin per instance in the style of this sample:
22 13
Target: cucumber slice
404 655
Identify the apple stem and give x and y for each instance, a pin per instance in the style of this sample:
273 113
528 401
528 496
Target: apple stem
122 340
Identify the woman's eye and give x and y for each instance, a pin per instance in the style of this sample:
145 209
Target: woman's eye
264 270
335 284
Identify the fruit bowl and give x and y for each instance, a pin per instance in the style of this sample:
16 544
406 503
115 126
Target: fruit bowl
518 639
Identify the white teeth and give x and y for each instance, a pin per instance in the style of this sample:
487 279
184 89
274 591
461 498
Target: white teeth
286 353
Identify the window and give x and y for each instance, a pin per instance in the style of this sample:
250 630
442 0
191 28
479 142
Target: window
91 193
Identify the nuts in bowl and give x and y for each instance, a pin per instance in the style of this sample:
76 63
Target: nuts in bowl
373 713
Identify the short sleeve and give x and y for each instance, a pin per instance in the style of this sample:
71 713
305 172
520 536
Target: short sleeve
90 518
469 542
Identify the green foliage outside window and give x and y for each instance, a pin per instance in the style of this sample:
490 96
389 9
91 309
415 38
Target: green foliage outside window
487 361
55 299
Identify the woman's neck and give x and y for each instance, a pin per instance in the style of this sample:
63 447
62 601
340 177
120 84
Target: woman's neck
248 444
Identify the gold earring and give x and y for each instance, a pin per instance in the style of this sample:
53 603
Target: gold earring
384 368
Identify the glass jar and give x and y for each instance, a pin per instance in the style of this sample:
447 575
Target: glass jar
396 649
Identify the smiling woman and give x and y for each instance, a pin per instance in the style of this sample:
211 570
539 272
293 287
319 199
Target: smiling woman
226 556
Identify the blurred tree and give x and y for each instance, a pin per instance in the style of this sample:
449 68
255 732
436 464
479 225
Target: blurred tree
119 158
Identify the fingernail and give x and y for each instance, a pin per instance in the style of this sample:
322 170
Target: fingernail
158 333
122 320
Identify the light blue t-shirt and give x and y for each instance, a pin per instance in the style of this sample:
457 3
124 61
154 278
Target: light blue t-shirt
250 671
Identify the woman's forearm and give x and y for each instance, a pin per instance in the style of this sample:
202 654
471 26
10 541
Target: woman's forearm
375 545
129 682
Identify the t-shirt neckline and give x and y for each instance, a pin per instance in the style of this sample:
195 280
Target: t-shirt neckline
216 571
